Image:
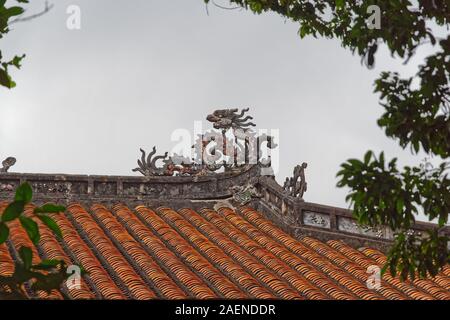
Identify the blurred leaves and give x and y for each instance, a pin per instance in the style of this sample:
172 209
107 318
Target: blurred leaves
26 255
417 256
15 210
4 232
381 194
47 275
31 228
49 208
24 193
419 117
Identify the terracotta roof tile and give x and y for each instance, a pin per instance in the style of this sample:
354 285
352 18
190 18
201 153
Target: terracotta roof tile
205 254
6 262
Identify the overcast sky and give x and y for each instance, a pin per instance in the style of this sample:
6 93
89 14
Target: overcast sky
87 100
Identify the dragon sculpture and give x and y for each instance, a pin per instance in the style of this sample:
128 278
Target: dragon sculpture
171 165
230 118
211 146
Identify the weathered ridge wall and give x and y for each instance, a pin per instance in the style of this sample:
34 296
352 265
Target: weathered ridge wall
292 214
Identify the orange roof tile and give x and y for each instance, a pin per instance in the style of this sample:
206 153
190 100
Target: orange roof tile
146 254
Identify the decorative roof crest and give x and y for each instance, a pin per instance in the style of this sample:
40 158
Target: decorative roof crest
296 186
242 149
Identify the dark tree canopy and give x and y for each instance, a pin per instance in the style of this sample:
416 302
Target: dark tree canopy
416 114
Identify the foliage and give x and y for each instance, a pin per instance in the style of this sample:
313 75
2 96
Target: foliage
412 255
6 14
47 275
416 114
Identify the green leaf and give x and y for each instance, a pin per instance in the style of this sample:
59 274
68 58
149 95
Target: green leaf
31 228
26 255
24 193
399 204
4 232
50 208
13 211
51 224
12 84
367 157
14 11
16 61
340 4
382 159
5 80
46 265
356 163
416 146
304 30
256 7
52 281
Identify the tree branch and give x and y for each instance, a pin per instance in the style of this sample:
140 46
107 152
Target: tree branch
24 19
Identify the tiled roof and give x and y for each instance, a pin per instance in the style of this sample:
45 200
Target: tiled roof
141 253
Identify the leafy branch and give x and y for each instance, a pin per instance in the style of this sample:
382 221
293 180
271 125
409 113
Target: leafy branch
47 275
383 195
8 16
46 9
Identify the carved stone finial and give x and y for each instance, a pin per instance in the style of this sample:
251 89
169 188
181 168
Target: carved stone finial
8 163
297 186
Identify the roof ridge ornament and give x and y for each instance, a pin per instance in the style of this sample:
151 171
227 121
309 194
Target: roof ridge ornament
7 163
147 165
211 146
296 186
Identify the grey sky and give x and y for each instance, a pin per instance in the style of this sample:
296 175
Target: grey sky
87 99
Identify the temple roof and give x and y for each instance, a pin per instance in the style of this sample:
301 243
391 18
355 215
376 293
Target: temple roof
146 253
189 230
